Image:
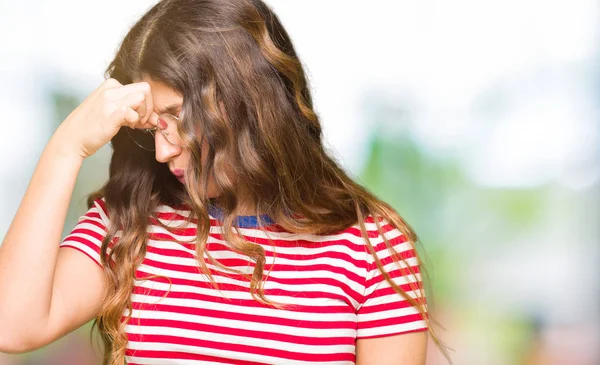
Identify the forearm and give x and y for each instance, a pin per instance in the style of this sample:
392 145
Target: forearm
29 250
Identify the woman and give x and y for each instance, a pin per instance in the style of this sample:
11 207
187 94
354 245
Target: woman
225 233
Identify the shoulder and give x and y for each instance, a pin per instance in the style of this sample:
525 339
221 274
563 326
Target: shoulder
100 205
356 242
97 212
372 233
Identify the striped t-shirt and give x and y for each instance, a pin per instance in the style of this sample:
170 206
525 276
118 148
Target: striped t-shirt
333 291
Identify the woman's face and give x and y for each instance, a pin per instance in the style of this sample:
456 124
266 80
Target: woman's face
176 157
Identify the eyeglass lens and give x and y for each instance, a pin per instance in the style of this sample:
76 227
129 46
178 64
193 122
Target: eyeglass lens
167 126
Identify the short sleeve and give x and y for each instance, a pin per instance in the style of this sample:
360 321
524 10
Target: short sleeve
90 230
381 310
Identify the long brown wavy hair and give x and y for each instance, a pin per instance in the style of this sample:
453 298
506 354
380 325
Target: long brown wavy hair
245 91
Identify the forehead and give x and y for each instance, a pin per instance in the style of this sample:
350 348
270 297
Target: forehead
164 98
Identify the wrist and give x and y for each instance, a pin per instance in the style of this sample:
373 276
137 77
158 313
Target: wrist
62 143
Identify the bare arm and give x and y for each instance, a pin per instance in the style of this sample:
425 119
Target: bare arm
406 349
46 293
29 251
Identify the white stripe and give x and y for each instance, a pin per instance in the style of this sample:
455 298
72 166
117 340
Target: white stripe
226 355
387 298
82 247
85 237
294 250
100 211
287 236
384 254
311 287
393 266
385 330
289 274
235 294
174 361
392 313
233 340
89 226
390 297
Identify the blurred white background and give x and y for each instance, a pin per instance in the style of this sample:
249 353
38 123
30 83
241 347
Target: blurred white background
505 94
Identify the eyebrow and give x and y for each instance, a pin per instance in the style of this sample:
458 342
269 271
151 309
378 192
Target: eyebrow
171 109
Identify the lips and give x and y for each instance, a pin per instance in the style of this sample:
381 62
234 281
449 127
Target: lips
178 174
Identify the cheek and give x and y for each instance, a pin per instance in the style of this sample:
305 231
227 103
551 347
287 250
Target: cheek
185 157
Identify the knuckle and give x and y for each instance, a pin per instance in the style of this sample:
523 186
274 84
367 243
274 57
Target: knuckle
123 109
140 96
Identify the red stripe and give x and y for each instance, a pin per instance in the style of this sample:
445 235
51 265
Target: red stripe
389 321
102 205
152 354
283 281
304 243
389 290
344 272
84 230
394 274
389 306
240 332
246 317
215 248
392 334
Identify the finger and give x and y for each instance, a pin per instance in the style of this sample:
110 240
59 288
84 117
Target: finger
149 104
110 83
136 101
106 86
151 121
142 108
124 115
146 108
121 92
131 118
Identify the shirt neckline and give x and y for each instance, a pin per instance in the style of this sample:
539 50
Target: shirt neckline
243 221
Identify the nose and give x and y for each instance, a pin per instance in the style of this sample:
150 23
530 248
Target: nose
165 150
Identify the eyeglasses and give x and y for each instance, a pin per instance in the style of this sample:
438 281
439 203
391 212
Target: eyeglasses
145 138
